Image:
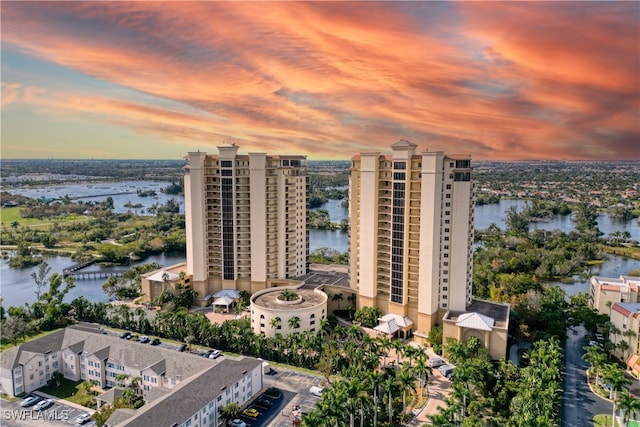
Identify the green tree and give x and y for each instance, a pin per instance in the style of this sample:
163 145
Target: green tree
629 405
40 278
15 328
57 377
229 411
102 415
368 316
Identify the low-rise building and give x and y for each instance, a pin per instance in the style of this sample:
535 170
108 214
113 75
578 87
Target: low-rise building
271 315
625 331
606 291
180 388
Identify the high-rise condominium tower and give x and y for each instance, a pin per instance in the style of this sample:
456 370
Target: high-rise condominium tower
411 235
246 219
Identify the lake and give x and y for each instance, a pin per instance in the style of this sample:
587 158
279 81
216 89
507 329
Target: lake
122 193
16 286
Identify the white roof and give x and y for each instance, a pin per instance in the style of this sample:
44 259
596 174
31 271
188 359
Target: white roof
401 321
158 276
231 293
475 321
389 327
225 300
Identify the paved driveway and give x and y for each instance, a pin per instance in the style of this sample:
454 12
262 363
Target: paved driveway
579 404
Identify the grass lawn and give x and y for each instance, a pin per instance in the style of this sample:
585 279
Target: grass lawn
603 420
69 390
10 215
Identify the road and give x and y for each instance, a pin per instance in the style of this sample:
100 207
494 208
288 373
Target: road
579 404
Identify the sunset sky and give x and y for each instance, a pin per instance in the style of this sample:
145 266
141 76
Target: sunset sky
497 80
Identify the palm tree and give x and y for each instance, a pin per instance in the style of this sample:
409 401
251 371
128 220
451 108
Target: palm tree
595 356
422 370
294 322
614 376
374 378
388 385
628 334
628 404
385 346
406 380
57 377
275 322
398 346
337 297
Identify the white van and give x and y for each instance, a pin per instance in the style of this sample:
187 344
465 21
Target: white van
316 391
446 370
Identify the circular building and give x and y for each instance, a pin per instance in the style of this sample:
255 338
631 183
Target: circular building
286 310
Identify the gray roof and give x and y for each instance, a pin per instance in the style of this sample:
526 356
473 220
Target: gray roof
190 396
12 357
132 354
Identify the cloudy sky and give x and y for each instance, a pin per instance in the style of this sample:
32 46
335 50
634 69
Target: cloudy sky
497 80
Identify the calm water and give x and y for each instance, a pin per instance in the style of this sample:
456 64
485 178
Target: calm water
97 192
495 213
334 239
17 286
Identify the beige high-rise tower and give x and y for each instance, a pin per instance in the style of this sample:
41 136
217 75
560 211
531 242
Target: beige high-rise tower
411 236
246 219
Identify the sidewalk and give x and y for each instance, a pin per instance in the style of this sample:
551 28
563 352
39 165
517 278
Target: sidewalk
63 401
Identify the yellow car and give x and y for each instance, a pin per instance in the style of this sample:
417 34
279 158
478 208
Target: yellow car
251 412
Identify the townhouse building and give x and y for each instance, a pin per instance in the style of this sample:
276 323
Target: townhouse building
83 353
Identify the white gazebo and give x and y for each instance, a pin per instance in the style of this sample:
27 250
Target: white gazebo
223 301
390 324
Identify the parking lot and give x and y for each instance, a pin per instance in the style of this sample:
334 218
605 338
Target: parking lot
296 386
58 414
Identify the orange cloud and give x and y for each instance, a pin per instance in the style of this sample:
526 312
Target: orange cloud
501 81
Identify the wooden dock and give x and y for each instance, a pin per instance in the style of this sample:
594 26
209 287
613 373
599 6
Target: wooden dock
76 272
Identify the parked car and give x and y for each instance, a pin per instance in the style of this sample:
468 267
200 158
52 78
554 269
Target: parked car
316 391
238 423
43 404
264 402
83 419
125 335
251 412
436 361
215 354
29 401
181 347
144 339
155 341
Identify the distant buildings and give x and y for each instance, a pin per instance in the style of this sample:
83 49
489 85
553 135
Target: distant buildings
411 236
179 388
246 219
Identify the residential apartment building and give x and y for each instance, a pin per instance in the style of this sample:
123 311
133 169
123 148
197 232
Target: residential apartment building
625 316
179 388
246 219
604 292
411 237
